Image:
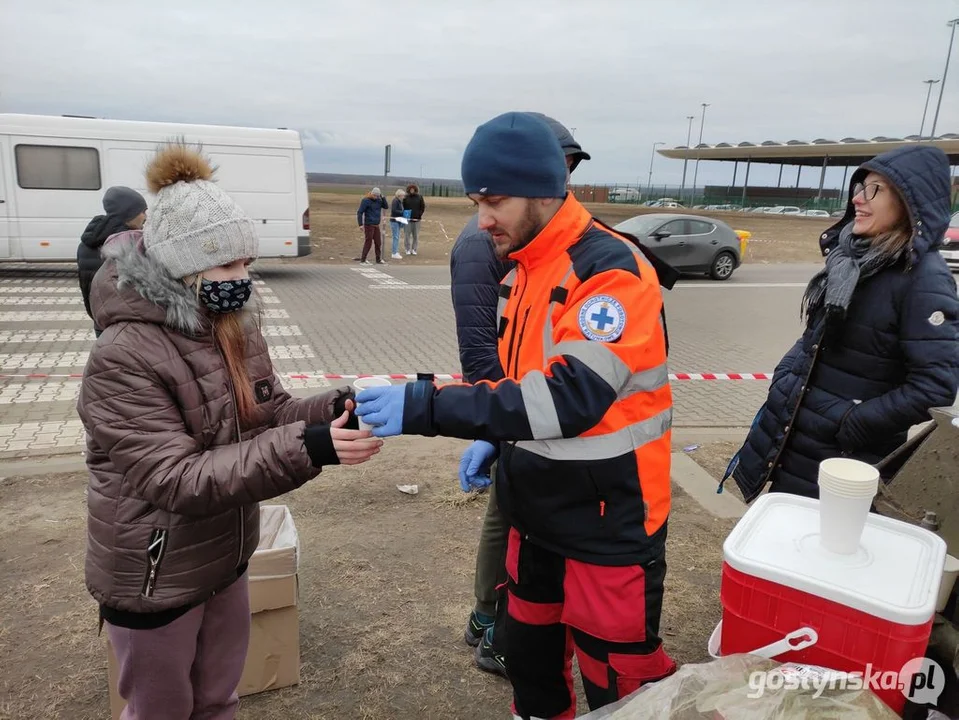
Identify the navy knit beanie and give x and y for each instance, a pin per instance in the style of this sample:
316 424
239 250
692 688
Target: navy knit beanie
515 155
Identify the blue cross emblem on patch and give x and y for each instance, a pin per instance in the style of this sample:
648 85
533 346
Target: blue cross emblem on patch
602 318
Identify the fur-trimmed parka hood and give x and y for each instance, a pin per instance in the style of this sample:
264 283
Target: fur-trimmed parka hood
133 287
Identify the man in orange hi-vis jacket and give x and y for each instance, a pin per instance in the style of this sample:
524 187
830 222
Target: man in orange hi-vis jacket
581 425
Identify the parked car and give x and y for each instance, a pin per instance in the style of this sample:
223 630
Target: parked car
784 210
663 203
816 213
690 243
950 244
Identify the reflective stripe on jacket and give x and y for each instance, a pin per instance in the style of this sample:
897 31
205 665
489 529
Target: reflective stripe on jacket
585 411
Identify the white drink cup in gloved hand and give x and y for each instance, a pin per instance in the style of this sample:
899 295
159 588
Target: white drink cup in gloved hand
363 383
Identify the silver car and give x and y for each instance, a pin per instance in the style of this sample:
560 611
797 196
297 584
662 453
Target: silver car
690 243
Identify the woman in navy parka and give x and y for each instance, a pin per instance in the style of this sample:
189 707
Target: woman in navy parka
881 343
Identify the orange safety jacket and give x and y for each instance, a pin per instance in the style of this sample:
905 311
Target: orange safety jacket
584 414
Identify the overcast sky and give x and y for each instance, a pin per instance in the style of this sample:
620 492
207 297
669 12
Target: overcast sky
353 76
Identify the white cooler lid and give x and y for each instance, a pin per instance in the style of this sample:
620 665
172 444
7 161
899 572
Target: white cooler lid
894 575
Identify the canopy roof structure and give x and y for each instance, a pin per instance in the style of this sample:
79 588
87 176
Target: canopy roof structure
821 152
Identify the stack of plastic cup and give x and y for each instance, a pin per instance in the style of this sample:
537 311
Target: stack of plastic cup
846 490
363 383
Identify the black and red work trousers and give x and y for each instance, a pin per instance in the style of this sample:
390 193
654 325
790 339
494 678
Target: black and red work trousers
607 615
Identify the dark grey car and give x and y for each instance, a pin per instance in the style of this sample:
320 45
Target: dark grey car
690 243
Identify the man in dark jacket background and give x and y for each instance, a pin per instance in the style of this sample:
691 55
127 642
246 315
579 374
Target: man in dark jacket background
125 209
368 216
476 273
415 203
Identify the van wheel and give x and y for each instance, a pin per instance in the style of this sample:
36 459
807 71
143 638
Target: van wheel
723 266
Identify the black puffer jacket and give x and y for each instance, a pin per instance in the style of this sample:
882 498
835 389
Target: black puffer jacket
898 355
88 251
476 273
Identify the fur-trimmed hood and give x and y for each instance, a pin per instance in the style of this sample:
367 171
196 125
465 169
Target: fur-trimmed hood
133 287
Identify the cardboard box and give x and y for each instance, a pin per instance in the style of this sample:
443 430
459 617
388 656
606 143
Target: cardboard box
273 655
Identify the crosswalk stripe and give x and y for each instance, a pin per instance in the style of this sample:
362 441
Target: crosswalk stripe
66 300
11 361
40 290
42 316
12 337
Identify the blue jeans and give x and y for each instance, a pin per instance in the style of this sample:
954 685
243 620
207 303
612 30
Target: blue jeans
395 227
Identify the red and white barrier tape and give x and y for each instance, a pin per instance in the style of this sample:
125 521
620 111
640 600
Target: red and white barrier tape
438 376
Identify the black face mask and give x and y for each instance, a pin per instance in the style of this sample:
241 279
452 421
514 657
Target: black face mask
225 296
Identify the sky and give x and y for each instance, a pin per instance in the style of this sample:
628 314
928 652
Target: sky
352 76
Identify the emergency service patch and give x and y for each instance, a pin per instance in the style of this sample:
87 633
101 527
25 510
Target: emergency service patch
602 318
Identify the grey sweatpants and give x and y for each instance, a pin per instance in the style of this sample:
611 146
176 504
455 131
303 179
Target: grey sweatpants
411 229
190 668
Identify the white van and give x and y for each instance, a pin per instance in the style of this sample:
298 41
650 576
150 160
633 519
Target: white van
54 171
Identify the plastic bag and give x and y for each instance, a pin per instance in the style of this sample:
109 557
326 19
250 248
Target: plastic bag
747 687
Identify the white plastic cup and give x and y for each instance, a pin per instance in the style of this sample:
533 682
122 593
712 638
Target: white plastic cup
949 573
846 491
363 383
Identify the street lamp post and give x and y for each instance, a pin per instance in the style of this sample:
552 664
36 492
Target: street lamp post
652 156
942 87
689 135
702 122
930 83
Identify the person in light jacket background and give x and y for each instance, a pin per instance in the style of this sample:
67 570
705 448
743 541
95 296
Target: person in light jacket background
415 203
188 429
396 214
125 209
881 342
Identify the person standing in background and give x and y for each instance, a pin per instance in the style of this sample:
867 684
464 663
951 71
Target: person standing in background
368 217
415 203
125 209
396 214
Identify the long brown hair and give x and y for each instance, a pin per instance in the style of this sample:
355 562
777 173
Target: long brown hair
230 337
896 242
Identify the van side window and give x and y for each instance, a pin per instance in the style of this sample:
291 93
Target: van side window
54 167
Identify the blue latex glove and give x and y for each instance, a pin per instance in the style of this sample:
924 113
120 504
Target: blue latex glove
475 466
382 407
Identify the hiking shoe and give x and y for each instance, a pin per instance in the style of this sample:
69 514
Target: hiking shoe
475 628
487 659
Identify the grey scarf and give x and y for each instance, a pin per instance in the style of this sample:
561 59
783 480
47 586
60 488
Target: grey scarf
853 259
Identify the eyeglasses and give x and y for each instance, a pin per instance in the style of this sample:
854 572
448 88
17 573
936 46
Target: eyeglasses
868 191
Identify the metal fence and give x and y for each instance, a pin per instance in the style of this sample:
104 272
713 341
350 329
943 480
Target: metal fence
710 197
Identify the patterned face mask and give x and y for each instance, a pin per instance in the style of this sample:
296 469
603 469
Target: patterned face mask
225 296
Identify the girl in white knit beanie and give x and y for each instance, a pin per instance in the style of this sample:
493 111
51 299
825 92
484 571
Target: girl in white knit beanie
188 429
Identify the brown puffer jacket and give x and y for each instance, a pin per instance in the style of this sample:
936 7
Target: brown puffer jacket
173 495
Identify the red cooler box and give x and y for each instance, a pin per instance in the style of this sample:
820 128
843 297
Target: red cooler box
873 608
